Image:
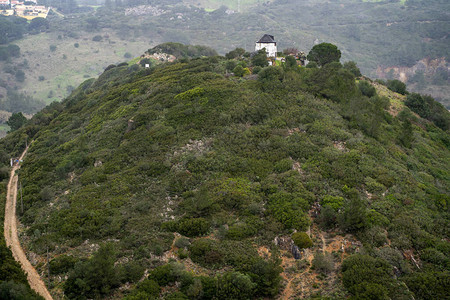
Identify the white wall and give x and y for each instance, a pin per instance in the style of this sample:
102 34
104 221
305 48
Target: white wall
271 48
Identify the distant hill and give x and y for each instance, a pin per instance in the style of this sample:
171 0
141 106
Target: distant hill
195 180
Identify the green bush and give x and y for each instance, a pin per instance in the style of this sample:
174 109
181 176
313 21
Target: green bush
240 231
150 287
334 202
365 276
366 88
256 69
95 277
163 275
324 53
206 252
302 240
238 71
193 227
283 165
183 51
230 65
312 65
131 272
351 66
289 209
234 193
396 86
176 296
428 285
260 59
327 217
14 290
62 264
235 285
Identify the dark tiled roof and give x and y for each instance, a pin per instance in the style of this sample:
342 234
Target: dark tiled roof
267 38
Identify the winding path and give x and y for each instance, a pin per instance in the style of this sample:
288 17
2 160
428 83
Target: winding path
12 239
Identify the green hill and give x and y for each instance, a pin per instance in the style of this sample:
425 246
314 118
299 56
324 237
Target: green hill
196 179
388 39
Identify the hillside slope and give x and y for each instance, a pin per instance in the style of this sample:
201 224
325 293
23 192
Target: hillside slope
197 179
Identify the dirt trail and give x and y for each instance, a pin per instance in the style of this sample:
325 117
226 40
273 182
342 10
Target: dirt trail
12 239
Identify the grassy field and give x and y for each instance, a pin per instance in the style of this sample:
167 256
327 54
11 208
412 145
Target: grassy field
68 66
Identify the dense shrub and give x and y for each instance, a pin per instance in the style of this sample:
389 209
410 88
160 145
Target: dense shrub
150 287
302 240
366 88
62 264
9 52
428 108
183 51
235 285
163 275
289 210
131 272
365 276
351 66
13 290
428 285
193 227
95 277
260 59
206 252
334 202
396 86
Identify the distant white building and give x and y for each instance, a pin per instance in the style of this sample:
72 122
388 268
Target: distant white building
268 42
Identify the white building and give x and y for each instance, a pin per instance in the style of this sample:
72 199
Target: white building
268 42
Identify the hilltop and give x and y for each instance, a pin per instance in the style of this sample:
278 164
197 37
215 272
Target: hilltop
388 39
186 181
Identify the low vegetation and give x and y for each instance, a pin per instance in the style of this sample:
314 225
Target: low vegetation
189 173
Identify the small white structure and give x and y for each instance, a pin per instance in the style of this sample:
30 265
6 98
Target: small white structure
268 42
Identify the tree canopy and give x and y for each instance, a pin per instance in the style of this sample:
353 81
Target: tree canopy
16 121
324 53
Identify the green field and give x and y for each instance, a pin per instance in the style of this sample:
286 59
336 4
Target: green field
68 66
